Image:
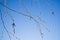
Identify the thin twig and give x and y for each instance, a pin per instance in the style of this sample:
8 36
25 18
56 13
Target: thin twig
4 25
13 24
14 36
20 13
9 33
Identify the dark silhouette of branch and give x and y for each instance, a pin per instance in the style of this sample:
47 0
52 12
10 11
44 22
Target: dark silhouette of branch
43 24
4 25
41 34
13 10
6 12
27 10
14 36
34 18
39 29
19 12
48 3
13 23
9 33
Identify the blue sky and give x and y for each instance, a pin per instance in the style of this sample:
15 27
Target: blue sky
26 28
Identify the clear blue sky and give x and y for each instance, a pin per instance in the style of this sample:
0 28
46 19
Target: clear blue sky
27 29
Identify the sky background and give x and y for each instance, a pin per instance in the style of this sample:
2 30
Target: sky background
26 28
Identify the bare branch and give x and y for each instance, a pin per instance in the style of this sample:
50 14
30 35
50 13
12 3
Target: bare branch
6 12
4 25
